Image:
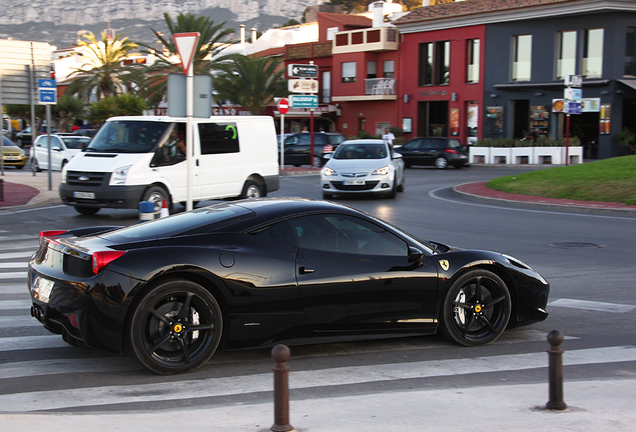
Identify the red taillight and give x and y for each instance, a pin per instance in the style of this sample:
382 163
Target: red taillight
101 259
52 233
450 151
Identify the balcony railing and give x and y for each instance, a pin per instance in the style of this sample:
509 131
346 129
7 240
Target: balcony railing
379 86
370 39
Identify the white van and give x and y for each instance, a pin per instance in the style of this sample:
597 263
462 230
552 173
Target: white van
133 159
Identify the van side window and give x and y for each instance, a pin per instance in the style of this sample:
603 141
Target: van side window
218 138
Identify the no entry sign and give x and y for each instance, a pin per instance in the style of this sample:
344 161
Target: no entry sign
283 106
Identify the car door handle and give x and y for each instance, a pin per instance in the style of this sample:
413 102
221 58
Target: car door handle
304 270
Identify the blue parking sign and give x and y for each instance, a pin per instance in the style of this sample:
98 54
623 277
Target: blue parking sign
47 97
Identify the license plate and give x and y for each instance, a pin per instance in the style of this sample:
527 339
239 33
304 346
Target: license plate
85 195
10 158
354 182
41 289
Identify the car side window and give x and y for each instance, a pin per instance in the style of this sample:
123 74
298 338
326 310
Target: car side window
304 139
346 234
280 231
413 144
217 138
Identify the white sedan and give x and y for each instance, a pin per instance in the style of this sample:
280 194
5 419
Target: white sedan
63 148
365 166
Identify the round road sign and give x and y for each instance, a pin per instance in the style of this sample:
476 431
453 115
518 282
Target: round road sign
283 106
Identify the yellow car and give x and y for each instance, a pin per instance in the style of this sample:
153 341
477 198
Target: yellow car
13 155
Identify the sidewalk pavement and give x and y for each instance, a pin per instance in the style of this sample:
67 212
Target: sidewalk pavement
593 405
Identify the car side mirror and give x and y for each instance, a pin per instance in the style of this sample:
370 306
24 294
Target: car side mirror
327 155
415 254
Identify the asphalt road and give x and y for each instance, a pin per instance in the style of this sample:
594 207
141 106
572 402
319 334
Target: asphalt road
587 258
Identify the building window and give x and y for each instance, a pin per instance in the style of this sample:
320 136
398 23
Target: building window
388 69
372 69
326 87
522 58
434 63
593 53
348 71
630 52
331 33
566 63
472 71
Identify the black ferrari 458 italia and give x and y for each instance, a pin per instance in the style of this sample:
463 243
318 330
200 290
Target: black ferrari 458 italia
257 272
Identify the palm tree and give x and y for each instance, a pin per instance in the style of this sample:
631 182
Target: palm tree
206 52
125 104
103 71
251 82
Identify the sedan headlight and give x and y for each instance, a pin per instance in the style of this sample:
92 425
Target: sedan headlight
328 171
119 175
381 171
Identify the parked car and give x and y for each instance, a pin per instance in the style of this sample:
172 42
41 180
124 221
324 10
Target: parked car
12 154
86 132
63 148
252 273
363 166
24 137
434 151
298 147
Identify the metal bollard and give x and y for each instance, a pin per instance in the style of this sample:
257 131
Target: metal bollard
280 353
146 211
555 338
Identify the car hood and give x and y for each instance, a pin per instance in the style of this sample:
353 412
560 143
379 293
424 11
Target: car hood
356 165
103 162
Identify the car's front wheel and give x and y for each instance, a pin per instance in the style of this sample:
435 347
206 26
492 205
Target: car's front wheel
86 211
477 308
175 328
156 195
35 166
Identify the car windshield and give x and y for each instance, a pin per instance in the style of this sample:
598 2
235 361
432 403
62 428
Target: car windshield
360 151
75 142
212 218
128 136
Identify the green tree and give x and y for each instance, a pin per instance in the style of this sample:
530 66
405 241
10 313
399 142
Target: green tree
251 82
69 108
121 105
19 111
205 58
103 71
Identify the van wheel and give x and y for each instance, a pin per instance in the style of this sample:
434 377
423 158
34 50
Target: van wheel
251 190
156 195
87 211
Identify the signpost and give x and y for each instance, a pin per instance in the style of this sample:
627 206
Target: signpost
47 95
186 45
302 86
572 98
302 70
304 101
283 107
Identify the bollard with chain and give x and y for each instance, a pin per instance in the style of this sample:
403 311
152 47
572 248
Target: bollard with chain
280 353
555 338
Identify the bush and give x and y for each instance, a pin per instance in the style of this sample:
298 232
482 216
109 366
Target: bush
542 141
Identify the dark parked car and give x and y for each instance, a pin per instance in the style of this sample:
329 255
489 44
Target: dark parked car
298 147
86 132
434 151
25 137
253 273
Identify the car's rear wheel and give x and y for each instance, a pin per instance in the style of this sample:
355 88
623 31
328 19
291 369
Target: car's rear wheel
317 162
477 309
86 211
35 166
175 328
441 163
251 189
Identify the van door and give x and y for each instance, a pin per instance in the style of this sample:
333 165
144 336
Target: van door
217 164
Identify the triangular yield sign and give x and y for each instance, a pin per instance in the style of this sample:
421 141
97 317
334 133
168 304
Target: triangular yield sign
186 44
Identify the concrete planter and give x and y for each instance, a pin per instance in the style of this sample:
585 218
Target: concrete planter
525 155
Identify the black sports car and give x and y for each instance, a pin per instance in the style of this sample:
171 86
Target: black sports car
256 272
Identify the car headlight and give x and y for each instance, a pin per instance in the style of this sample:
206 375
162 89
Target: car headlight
328 171
119 175
381 171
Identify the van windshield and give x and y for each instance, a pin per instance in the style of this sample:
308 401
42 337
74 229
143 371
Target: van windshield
128 136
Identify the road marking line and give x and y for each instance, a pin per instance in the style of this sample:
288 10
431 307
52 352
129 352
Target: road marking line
190 389
10 255
590 305
14 275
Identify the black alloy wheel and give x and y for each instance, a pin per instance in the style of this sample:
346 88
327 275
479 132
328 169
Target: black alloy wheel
175 328
477 309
